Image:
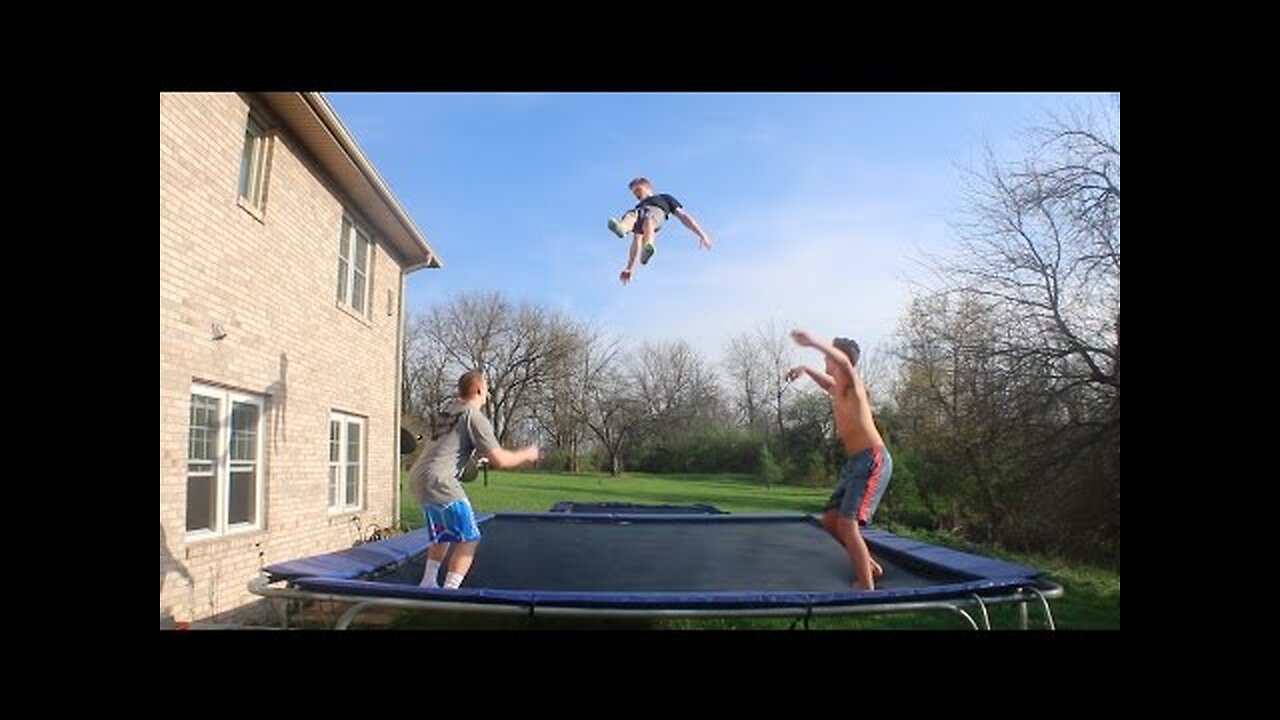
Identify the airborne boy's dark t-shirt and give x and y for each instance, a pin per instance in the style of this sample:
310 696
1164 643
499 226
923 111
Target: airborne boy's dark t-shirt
664 201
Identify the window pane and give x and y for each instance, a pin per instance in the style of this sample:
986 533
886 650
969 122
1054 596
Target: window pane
362 252
344 259
357 292
353 442
241 503
256 162
352 495
201 502
202 434
333 485
197 443
246 164
260 169
335 441
353 485
250 159
244 431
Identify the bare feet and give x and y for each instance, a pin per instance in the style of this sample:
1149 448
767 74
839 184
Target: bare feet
876 572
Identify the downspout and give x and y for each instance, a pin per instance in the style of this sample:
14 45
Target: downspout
400 334
396 457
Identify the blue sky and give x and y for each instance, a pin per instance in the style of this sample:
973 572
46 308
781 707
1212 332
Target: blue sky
820 204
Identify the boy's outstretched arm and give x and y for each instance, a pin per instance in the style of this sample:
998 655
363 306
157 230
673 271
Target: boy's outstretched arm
824 381
703 239
502 458
841 360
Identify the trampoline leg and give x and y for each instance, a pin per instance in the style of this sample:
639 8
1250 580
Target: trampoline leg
961 612
1048 614
808 612
281 606
986 618
1022 615
350 615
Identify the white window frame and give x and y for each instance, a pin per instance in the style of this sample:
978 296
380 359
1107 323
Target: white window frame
255 194
222 464
337 497
354 235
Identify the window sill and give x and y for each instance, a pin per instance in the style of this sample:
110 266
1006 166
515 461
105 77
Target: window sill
254 212
355 315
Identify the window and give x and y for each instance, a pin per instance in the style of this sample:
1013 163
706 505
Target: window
346 461
224 461
354 251
253 163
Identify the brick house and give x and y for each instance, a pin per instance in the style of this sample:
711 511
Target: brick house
283 260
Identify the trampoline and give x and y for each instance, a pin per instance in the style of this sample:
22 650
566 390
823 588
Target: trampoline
649 563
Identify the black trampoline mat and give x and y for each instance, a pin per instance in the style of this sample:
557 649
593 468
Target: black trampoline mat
717 555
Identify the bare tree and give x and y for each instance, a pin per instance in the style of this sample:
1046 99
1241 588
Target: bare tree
427 383
677 388
1011 371
776 350
878 374
612 412
1041 238
560 408
747 371
467 328
1042 241
533 353
520 349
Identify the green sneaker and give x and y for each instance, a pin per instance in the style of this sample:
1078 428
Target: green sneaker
615 227
649 250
